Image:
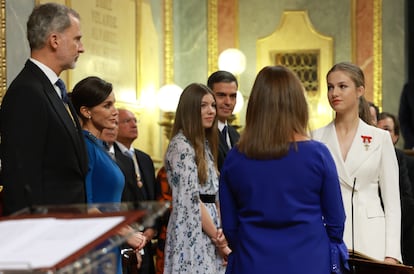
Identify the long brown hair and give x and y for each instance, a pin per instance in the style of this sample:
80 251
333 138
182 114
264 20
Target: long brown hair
277 110
188 120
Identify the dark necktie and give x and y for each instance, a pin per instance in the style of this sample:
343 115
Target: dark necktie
224 132
63 91
224 135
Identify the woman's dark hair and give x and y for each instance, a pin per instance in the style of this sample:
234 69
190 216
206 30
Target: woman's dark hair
221 76
89 93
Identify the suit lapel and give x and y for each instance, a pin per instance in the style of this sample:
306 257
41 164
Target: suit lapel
365 143
72 126
358 153
234 135
330 138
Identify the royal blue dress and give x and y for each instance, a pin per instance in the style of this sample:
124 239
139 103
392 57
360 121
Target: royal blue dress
283 215
104 180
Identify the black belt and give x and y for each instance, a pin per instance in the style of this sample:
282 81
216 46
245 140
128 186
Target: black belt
207 198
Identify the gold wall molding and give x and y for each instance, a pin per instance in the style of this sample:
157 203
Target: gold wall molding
353 31
168 42
3 63
296 36
212 37
377 81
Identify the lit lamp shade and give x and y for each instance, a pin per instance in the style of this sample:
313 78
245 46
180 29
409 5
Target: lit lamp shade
168 97
232 60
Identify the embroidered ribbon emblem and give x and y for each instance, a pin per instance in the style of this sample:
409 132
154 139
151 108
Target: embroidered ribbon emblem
366 140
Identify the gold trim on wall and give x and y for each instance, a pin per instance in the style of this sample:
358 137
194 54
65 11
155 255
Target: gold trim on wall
212 44
353 31
168 42
3 64
296 35
377 68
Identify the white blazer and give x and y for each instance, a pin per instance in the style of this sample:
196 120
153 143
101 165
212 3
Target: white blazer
372 163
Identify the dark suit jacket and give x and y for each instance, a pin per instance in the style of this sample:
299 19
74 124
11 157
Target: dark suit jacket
43 154
223 147
134 194
406 114
406 165
146 166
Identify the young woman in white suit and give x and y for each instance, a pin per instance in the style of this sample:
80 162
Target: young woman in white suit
367 168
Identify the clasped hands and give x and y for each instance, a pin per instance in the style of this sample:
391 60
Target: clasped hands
135 239
221 244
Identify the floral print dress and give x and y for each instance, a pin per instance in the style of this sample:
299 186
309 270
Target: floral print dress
188 249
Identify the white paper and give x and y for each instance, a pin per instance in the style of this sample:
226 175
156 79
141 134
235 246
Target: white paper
44 242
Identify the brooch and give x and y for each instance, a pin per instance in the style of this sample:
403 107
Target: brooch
366 140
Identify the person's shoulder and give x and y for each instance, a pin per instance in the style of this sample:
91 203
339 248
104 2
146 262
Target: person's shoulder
312 145
232 128
319 132
178 138
180 142
373 130
143 154
29 78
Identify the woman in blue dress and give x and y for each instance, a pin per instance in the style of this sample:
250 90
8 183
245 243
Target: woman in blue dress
280 199
94 102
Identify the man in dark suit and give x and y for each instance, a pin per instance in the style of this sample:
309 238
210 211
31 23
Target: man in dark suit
141 185
44 160
406 115
224 85
389 122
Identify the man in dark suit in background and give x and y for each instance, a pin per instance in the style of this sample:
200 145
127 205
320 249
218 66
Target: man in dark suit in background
224 85
43 154
142 186
406 115
389 122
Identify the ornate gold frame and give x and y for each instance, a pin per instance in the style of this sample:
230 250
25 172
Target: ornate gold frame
3 64
212 36
377 69
168 42
296 34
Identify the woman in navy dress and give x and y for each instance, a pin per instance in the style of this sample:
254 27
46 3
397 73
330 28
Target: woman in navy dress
280 199
94 102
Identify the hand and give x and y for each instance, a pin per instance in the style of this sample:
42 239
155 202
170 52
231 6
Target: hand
94 210
137 240
224 253
139 259
221 243
220 240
